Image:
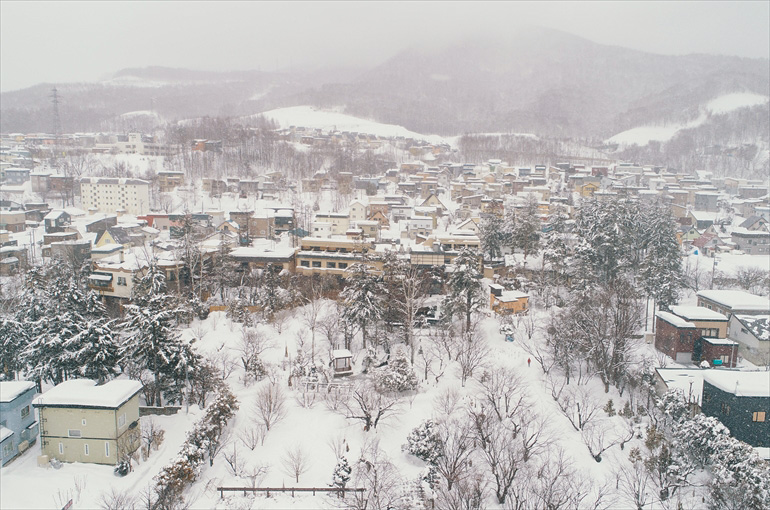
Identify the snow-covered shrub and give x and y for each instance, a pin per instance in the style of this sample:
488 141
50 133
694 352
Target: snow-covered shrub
424 442
398 375
203 439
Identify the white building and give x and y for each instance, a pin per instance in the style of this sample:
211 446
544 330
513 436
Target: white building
109 195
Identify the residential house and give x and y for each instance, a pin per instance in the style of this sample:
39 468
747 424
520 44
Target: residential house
706 201
728 302
169 180
56 221
741 401
691 334
506 302
83 422
712 345
755 222
703 219
752 332
751 242
12 258
18 427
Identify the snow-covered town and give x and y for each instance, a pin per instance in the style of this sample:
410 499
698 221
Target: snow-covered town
306 308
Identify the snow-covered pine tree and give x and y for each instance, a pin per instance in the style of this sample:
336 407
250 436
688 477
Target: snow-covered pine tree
95 350
465 291
660 272
151 340
493 236
524 229
341 475
424 442
398 375
362 297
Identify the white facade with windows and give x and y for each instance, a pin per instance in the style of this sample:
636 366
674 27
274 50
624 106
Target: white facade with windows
108 195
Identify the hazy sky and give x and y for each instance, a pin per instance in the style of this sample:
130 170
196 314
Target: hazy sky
84 41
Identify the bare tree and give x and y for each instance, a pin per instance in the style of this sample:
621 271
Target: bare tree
472 352
577 404
457 441
600 437
635 482
378 476
152 435
370 406
253 435
446 403
503 392
469 493
503 456
117 500
270 405
295 462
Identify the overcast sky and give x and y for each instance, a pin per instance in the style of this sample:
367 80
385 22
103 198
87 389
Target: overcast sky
60 41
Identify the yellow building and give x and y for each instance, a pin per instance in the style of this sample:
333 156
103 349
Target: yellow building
82 422
506 302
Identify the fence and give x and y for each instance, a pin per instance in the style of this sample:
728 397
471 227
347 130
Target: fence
340 491
306 385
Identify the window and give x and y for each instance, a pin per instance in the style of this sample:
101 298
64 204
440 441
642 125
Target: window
725 409
316 263
122 281
7 449
106 448
725 359
85 449
24 412
331 264
83 421
121 420
744 331
758 416
61 448
73 433
343 265
304 263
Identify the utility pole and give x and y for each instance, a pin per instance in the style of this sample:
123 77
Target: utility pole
56 120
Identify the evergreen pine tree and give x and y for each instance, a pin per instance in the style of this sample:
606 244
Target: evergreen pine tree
465 291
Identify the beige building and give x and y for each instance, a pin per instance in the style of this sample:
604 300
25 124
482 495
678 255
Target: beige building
332 256
108 195
82 422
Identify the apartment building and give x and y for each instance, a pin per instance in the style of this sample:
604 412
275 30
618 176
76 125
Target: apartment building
109 194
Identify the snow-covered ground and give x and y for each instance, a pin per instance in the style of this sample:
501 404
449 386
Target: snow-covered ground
316 118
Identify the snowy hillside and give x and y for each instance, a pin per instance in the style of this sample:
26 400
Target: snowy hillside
721 105
311 117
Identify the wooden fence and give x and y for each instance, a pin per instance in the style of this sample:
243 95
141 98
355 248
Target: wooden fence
336 490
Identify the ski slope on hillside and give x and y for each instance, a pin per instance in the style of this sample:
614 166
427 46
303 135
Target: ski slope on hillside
311 117
721 105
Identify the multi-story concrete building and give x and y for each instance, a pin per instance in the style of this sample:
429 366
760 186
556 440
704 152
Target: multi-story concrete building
108 194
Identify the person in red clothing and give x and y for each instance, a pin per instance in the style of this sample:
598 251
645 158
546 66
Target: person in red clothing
529 361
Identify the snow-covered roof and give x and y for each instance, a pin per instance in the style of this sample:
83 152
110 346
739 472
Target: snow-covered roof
341 353
759 325
9 390
85 393
697 313
5 433
681 379
740 384
55 214
737 299
281 252
674 320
